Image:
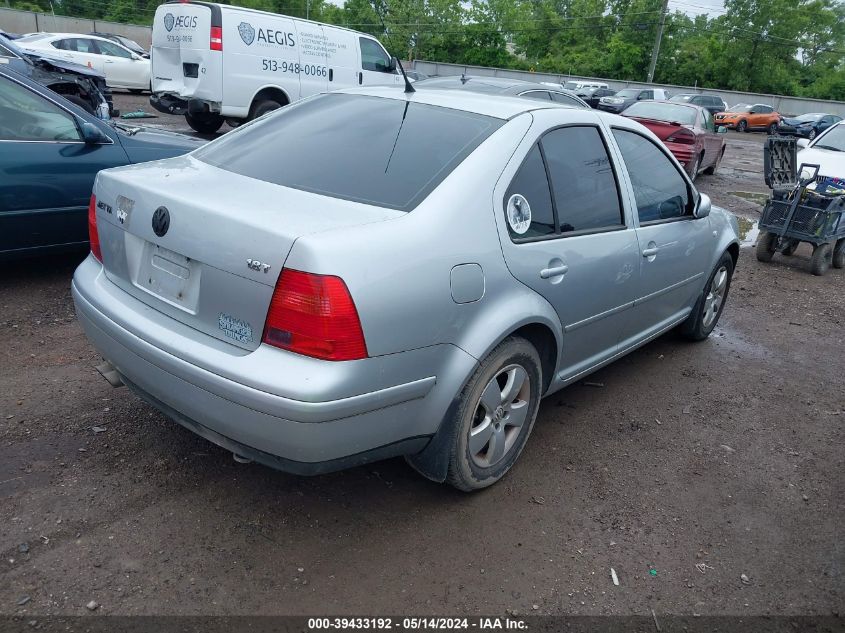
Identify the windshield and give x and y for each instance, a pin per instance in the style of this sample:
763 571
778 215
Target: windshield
626 94
809 117
385 152
740 107
570 85
833 140
663 112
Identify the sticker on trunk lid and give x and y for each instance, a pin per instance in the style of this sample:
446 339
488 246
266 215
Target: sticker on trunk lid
235 329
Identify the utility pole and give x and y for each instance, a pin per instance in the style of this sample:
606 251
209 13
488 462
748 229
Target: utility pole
656 50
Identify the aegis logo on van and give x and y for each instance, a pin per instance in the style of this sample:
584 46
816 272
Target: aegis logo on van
180 22
267 36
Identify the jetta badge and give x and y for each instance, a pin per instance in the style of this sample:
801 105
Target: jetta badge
161 221
254 264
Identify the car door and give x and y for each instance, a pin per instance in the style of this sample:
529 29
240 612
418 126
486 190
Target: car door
46 171
121 68
81 50
712 141
675 247
375 64
566 238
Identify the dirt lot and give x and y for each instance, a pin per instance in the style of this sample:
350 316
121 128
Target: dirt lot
725 454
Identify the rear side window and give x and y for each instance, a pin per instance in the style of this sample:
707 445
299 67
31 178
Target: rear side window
583 183
563 98
541 95
385 152
528 202
107 48
660 190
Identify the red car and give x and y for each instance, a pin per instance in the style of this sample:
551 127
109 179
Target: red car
688 131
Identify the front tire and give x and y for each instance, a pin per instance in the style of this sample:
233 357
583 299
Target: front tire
821 259
812 134
773 129
839 254
707 310
204 123
766 243
495 415
742 126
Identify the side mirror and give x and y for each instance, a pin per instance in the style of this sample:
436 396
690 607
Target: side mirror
92 135
802 143
702 209
394 65
721 130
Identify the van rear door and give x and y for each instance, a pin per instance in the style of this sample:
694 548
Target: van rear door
342 57
187 57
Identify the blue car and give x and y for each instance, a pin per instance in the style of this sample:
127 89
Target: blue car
807 125
50 153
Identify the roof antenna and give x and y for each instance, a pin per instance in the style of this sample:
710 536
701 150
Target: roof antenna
408 87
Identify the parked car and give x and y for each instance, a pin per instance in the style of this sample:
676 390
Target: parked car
10 36
744 118
807 125
413 75
577 86
592 96
78 84
52 150
122 67
827 151
268 61
709 102
500 86
132 45
624 98
256 297
687 130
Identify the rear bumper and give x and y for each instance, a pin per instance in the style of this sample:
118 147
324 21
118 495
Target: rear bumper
316 432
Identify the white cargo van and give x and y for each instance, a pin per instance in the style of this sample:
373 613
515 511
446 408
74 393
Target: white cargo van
215 62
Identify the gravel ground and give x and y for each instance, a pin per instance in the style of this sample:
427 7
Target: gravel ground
709 476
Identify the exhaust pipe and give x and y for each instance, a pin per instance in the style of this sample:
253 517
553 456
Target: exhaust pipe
108 372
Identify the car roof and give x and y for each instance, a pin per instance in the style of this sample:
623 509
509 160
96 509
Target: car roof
479 83
502 107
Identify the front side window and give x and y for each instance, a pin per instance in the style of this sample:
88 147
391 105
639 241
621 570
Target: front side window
528 201
384 152
660 191
373 56
583 183
27 116
107 48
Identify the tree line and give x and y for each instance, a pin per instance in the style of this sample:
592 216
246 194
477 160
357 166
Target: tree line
791 47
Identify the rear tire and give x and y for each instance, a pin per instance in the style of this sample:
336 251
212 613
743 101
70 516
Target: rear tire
506 387
773 129
839 254
821 260
766 246
710 171
693 172
707 310
204 123
742 126
262 107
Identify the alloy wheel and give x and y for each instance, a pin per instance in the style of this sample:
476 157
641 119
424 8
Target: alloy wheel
715 296
499 415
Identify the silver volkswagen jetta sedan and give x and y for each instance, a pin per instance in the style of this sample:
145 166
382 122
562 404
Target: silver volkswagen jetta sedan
371 273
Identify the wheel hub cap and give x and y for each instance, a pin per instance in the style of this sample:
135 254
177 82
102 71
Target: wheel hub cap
715 296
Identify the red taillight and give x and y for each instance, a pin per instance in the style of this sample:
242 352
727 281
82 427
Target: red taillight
314 315
216 42
93 235
682 136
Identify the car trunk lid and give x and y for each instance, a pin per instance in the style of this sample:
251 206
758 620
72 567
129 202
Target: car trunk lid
206 246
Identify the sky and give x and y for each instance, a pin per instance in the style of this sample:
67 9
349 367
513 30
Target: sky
690 7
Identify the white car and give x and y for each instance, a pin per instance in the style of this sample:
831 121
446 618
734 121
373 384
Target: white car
122 67
827 151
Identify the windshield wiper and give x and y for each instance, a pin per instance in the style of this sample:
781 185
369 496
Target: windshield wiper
834 149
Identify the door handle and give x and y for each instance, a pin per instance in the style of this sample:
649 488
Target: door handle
650 252
331 74
360 78
555 271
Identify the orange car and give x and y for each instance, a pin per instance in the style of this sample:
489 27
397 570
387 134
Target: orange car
743 117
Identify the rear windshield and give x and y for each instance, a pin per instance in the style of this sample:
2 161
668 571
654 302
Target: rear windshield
663 112
386 152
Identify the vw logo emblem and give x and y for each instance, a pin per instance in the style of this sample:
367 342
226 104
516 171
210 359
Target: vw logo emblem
161 221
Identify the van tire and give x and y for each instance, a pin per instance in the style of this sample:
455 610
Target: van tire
204 123
262 107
